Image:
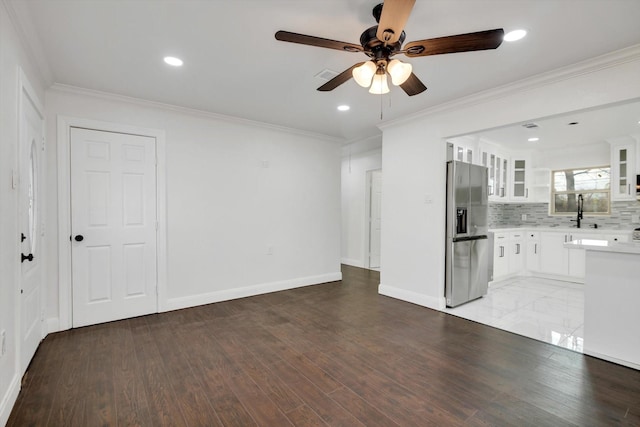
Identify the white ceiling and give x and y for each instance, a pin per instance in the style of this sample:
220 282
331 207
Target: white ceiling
234 65
591 127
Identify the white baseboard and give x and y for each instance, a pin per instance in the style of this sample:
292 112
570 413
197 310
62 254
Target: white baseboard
53 325
353 262
248 291
612 359
9 399
436 303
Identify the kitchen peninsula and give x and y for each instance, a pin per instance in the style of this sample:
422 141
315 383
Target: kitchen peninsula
612 294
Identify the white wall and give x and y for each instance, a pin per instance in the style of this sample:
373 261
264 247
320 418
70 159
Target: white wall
354 215
570 157
225 208
12 57
414 156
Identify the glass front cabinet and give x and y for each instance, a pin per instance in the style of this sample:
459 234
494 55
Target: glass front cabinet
623 170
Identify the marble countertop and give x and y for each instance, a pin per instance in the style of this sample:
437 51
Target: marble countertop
604 246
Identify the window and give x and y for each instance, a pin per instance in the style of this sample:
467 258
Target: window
592 183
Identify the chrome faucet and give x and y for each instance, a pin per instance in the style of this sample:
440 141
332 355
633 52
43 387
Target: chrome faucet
580 209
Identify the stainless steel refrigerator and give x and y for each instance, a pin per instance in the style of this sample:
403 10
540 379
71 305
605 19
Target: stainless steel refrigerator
467 249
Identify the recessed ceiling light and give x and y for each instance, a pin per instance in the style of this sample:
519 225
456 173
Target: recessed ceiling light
343 108
171 60
534 139
514 35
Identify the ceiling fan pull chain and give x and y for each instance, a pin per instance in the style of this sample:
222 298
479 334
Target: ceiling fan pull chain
380 106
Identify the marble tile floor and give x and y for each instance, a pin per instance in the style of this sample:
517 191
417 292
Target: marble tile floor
542 309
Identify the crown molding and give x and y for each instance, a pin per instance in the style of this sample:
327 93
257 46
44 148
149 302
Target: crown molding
67 89
608 60
21 21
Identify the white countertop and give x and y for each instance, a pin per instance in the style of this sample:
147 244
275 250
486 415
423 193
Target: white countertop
604 245
564 230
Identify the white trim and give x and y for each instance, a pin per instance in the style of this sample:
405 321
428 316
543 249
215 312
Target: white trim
436 303
61 88
248 291
52 324
65 124
29 40
9 399
609 60
353 262
611 359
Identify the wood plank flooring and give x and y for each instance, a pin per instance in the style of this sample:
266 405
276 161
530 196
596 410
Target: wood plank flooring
336 354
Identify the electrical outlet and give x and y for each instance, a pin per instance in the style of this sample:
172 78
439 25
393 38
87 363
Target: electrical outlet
3 342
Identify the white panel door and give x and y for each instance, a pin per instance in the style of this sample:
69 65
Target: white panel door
31 287
113 223
375 219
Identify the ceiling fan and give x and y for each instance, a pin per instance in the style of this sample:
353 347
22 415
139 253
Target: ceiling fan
383 41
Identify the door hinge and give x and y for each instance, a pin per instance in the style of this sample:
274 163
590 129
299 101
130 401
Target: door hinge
43 143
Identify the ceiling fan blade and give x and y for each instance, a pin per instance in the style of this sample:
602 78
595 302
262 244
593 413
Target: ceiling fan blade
395 14
413 85
339 79
481 40
286 36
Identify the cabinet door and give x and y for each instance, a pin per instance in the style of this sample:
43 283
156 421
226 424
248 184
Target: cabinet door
623 172
553 255
500 256
533 255
520 171
516 256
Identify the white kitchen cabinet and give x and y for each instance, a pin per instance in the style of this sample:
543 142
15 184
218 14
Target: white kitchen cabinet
500 255
516 252
520 181
623 169
554 257
464 149
533 251
498 165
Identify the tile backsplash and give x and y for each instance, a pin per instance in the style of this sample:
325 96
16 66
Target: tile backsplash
510 215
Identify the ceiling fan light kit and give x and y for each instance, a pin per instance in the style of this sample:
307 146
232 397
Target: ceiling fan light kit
379 85
363 75
383 41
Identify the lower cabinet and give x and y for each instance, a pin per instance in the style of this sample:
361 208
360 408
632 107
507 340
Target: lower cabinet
500 255
554 257
516 252
533 251
543 253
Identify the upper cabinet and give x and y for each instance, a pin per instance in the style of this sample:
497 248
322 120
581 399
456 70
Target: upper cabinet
498 163
623 168
521 180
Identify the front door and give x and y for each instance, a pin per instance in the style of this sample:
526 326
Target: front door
30 202
113 223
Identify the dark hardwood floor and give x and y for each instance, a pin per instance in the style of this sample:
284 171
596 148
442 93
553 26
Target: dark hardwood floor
335 354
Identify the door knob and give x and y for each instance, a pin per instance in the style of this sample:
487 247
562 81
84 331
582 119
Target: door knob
26 257
79 238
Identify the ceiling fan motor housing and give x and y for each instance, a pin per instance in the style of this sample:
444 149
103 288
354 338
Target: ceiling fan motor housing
372 44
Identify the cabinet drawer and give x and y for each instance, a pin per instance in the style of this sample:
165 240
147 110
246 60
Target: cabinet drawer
516 235
533 235
501 236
